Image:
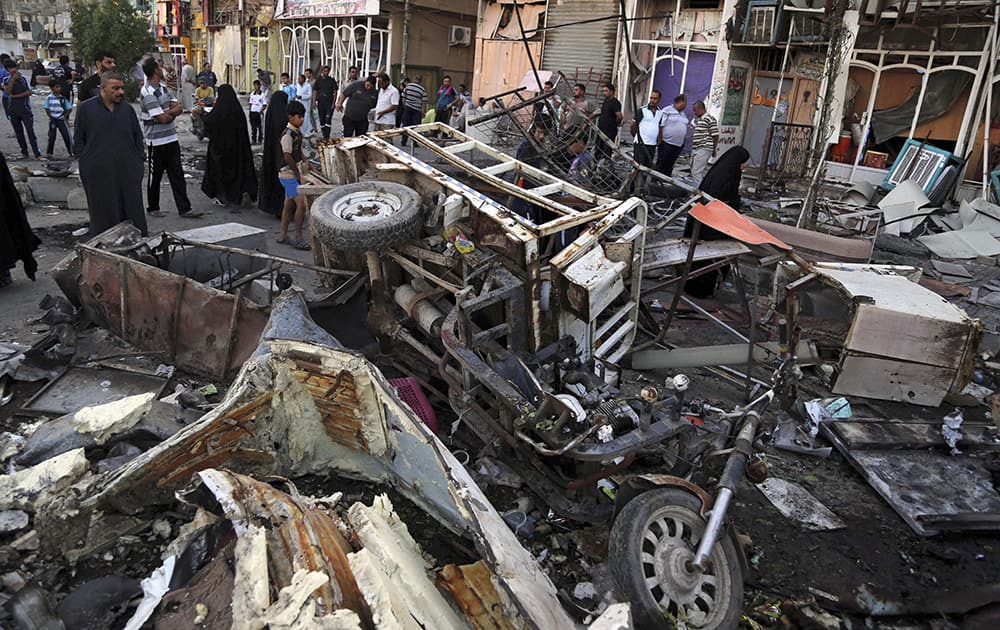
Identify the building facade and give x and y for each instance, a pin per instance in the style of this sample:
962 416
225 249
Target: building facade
35 29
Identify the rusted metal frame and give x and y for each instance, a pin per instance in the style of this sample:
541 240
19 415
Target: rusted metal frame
175 323
423 273
679 290
538 174
123 296
752 311
173 239
233 330
470 361
635 295
509 188
694 274
425 255
574 250
497 212
514 225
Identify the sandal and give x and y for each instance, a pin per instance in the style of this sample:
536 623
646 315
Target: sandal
281 239
301 245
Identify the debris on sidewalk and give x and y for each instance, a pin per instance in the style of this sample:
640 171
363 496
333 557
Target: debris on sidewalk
796 503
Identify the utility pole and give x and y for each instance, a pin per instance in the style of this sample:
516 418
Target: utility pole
834 66
406 40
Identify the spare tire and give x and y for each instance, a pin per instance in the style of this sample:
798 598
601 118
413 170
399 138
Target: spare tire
367 215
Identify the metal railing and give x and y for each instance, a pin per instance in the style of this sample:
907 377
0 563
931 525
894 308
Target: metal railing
786 151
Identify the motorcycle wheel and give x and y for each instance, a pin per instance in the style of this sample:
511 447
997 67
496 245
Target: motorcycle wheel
653 539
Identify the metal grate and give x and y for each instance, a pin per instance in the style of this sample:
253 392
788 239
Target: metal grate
760 25
787 153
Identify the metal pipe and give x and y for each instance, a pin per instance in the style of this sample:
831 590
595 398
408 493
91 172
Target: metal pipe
531 58
172 239
719 508
989 100
715 319
728 482
421 309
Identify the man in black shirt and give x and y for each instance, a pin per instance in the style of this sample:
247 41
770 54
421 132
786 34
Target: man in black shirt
91 86
609 121
360 97
63 75
324 90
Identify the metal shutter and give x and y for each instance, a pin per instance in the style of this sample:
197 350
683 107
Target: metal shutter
583 46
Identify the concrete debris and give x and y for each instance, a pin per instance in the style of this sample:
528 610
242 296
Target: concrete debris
12 521
23 489
103 422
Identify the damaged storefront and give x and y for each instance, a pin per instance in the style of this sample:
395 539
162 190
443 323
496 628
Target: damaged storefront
921 99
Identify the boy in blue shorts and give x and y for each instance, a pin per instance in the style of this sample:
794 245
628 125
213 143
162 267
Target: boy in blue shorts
290 176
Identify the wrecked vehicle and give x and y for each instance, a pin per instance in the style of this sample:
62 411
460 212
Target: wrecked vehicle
305 405
519 313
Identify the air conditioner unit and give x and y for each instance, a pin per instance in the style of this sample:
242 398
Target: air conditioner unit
460 36
934 170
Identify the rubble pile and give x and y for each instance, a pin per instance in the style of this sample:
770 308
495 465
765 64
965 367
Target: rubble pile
489 419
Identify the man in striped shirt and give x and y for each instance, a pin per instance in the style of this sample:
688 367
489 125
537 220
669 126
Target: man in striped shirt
414 96
158 109
706 139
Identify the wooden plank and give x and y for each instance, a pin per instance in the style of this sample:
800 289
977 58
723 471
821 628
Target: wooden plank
888 379
908 337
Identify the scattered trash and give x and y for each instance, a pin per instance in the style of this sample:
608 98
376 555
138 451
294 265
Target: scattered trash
951 430
796 503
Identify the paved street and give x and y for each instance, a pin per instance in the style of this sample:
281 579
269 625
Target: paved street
54 224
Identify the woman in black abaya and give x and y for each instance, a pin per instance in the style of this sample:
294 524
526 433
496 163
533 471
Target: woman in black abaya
272 195
722 181
17 241
229 168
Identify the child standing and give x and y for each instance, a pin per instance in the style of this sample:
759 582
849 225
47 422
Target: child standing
257 104
290 176
58 108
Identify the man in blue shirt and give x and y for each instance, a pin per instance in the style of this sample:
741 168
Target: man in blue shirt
675 128
16 88
208 76
3 81
58 108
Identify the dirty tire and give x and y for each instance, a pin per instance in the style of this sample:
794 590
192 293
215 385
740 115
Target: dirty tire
367 215
671 517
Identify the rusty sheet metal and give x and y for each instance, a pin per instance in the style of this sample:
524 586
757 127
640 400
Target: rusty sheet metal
300 535
227 439
471 586
720 216
270 423
199 329
336 398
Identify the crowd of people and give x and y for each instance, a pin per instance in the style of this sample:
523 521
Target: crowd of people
118 148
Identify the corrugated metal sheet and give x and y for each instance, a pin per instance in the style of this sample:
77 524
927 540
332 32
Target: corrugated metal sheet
577 49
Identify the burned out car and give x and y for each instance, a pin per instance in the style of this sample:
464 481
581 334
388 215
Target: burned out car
514 295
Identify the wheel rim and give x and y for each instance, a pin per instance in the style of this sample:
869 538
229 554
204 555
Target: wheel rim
365 206
670 539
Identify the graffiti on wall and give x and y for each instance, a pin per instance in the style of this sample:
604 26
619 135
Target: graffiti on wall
735 87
